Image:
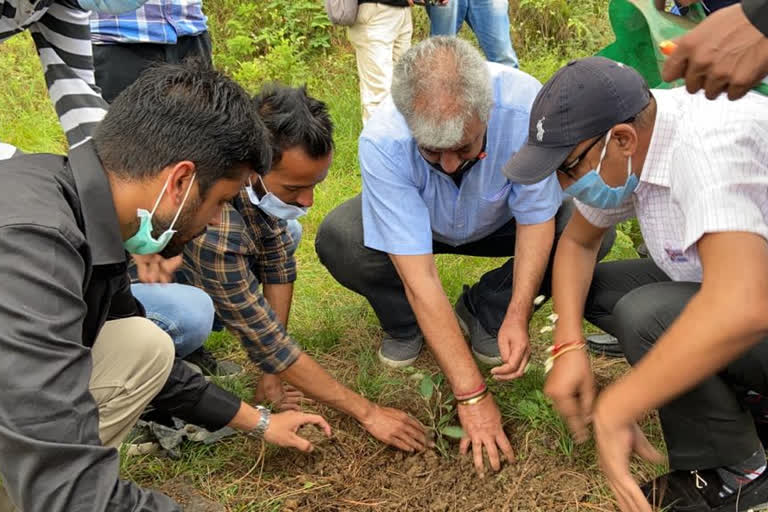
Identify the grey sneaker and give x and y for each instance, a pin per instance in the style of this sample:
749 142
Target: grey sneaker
485 346
400 352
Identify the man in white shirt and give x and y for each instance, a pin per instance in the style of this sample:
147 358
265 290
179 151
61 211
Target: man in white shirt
693 319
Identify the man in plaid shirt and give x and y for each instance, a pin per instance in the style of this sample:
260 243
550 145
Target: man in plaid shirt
252 246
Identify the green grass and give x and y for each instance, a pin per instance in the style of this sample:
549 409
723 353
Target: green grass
329 321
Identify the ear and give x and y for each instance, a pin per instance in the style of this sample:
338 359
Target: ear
627 137
180 179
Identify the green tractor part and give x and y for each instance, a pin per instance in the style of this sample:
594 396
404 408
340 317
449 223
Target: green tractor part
640 28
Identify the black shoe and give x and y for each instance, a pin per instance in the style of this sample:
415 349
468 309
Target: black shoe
210 366
699 491
604 345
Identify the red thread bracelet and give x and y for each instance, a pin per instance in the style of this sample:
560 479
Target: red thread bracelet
554 349
471 394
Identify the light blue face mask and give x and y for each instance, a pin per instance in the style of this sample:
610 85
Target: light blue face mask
143 242
273 205
590 189
111 6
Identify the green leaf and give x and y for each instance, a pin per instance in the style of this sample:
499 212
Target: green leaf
427 387
453 432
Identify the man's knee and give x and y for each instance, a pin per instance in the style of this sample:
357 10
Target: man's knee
152 350
339 237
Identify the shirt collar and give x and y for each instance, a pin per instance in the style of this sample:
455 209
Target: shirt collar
102 229
655 171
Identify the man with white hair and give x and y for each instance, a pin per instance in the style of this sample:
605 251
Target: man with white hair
431 159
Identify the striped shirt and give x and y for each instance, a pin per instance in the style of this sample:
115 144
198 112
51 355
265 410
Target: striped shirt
706 171
229 262
157 21
61 33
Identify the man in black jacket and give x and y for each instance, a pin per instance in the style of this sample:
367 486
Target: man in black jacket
79 362
727 52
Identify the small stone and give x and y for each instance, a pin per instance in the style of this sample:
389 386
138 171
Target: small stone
538 301
546 328
553 318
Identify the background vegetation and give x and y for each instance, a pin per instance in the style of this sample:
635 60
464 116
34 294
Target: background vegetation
293 42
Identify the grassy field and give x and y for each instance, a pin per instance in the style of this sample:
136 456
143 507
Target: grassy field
292 42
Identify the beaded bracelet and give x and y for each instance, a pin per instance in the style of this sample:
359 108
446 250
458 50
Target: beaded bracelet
559 351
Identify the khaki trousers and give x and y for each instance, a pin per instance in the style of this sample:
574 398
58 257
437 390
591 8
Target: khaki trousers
380 35
132 358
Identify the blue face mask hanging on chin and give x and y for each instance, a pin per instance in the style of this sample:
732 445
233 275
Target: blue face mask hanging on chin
273 205
143 242
110 6
590 189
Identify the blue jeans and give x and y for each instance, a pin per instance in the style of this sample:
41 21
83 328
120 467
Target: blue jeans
183 311
488 19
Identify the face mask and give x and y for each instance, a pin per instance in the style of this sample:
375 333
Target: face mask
272 205
111 6
590 189
143 242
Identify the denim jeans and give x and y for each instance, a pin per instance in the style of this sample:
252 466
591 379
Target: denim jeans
488 19
183 311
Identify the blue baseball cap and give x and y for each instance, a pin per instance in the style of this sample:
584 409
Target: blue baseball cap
583 99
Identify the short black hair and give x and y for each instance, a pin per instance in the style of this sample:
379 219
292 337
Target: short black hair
294 119
176 112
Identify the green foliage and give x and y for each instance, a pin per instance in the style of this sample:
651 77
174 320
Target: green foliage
262 41
439 408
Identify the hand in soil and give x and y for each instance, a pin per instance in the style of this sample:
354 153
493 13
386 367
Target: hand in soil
571 386
281 395
283 427
396 428
482 423
616 442
514 348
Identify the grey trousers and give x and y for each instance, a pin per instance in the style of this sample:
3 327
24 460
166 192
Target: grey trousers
339 246
710 426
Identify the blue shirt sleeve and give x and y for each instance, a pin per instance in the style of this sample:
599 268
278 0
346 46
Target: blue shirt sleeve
537 203
395 217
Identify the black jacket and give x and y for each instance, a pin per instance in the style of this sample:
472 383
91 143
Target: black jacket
63 274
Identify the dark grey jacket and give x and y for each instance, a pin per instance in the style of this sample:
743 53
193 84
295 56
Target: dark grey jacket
62 275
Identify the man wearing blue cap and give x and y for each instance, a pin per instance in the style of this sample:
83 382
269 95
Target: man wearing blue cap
692 318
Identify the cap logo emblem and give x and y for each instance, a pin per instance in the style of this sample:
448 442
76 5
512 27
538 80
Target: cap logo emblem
540 129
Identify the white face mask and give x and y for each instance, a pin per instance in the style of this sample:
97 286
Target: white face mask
272 205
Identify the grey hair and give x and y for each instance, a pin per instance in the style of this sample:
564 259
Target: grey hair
439 86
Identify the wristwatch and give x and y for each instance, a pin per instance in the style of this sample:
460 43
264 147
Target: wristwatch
259 430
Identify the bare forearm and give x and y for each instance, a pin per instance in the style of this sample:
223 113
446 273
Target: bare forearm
279 297
533 245
310 378
574 266
443 335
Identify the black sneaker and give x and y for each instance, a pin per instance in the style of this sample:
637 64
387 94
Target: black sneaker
604 345
210 366
699 491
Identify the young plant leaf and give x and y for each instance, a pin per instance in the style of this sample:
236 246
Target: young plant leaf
453 432
427 387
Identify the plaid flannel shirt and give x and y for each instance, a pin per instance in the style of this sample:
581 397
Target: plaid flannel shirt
229 262
157 21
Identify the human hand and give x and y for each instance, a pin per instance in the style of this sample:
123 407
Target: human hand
396 428
283 397
153 268
725 52
283 427
616 442
515 350
571 386
482 423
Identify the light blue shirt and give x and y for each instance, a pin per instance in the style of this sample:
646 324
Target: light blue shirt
407 204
